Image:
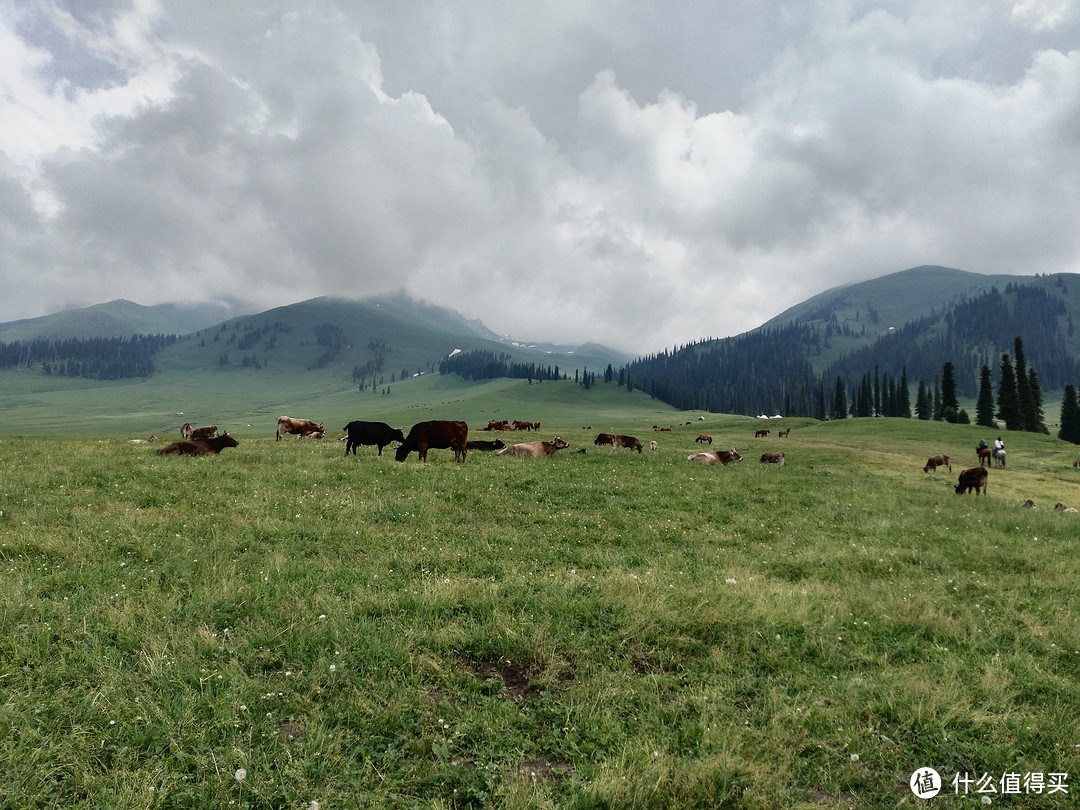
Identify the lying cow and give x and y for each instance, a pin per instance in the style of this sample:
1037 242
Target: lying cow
535 449
476 444
199 447
286 424
773 458
937 461
972 478
435 434
717 458
379 434
622 440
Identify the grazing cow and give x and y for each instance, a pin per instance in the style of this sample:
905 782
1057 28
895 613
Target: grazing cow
716 458
204 432
653 445
534 449
622 440
972 478
495 424
185 430
937 461
604 438
773 458
438 435
519 425
760 433
379 434
704 438
199 447
784 433
498 444
286 424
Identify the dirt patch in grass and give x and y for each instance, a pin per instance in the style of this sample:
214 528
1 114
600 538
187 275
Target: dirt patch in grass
514 675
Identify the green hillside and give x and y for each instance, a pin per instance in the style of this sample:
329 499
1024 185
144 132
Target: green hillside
115 319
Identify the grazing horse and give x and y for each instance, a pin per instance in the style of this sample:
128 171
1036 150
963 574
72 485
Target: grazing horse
704 437
783 433
760 433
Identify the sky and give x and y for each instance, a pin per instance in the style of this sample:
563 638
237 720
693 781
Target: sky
637 173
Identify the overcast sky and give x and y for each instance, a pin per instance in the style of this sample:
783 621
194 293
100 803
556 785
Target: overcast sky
630 172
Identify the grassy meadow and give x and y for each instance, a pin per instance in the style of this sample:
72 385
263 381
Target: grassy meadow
285 626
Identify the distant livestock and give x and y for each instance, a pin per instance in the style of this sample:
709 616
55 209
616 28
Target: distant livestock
716 458
604 438
760 433
773 458
199 447
784 433
185 430
204 432
934 462
704 438
286 424
498 444
653 445
436 434
535 449
972 478
378 434
622 440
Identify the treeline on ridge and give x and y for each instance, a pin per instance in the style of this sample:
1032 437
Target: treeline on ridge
481 364
101 358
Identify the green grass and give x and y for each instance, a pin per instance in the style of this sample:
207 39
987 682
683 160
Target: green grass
587 631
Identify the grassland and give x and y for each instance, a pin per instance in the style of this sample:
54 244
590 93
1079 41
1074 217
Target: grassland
282 626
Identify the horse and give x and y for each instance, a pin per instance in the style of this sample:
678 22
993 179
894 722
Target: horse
999 456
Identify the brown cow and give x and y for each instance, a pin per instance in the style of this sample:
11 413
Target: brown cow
534 449
604 438
199 447
704 438
773 458
519 425
204 432
972 478
937 461
495 424
761 432
286 424
716 458
622 440
435 434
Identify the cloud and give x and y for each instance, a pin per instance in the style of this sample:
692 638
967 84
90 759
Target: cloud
634 173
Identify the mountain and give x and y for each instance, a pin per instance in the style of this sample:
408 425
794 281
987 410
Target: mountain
117 319
900 327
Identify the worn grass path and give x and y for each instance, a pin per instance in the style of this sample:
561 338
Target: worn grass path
281 625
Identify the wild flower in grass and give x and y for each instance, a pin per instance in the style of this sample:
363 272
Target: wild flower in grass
240 775
730 581
854 757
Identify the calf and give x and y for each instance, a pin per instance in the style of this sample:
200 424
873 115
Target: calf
972 478
379 434
773 458
937 461
199 447
535 449
604 438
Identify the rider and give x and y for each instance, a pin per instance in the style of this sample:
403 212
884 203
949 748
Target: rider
981 445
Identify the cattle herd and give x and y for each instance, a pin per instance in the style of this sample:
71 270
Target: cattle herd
441 435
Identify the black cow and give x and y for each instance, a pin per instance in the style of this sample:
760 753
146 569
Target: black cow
199 447
376 433
437 434
498 444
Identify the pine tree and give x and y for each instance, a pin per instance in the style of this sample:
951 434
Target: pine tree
923 407
819 408
984 407
1008 399
839 402
1070 416
1036 423
1023 388
950 405
905 395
